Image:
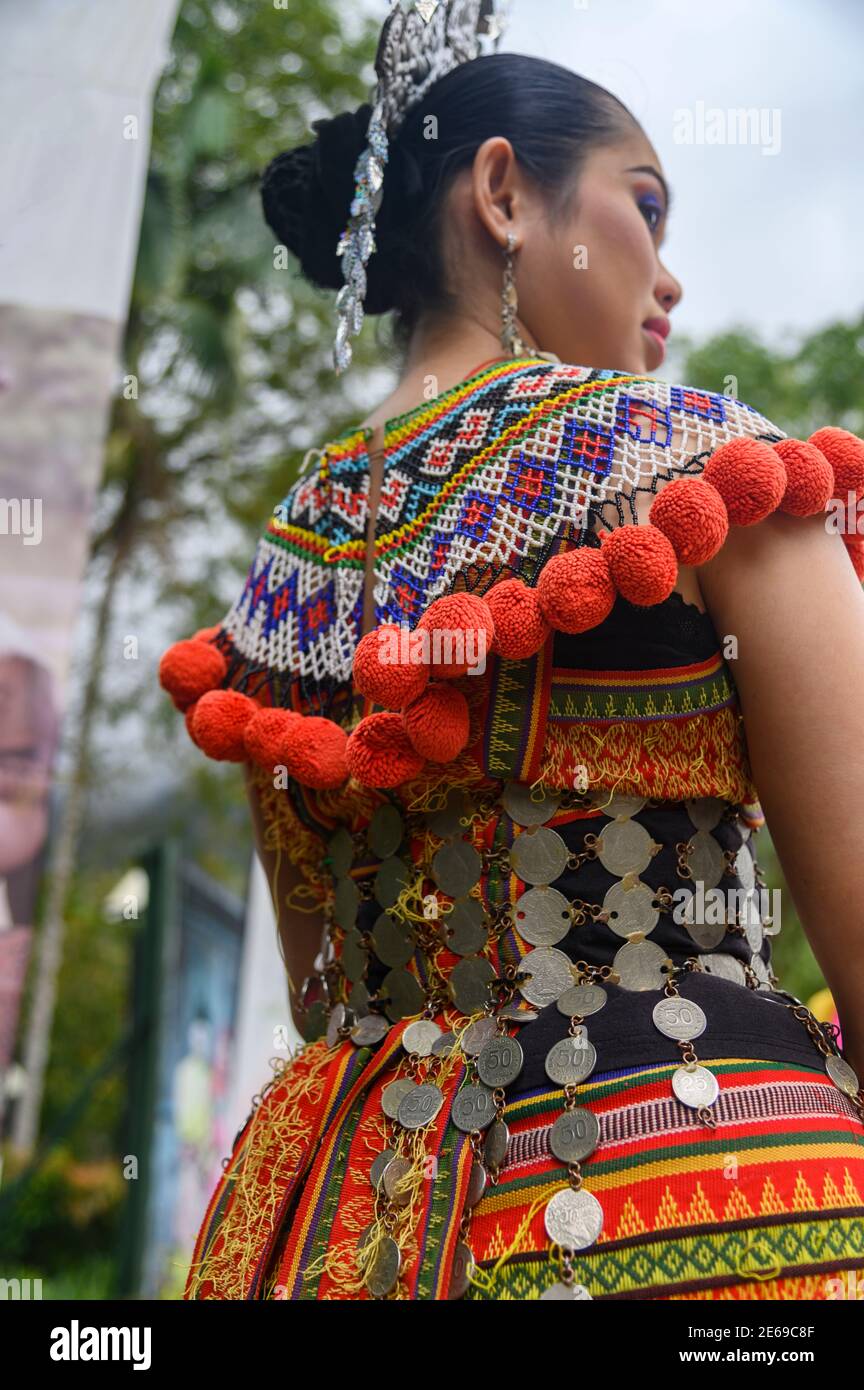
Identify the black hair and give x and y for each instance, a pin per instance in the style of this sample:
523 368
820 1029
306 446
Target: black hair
551 116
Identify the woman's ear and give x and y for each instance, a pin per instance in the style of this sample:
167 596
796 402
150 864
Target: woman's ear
496 189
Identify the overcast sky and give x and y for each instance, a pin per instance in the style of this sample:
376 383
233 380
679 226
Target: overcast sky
771 240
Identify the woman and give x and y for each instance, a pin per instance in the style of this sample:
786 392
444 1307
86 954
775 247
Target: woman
513 857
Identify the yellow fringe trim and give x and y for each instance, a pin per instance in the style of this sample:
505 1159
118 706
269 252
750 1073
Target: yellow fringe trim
699 756
277 1134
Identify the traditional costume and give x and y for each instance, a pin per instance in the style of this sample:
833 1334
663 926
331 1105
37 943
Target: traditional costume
547 1055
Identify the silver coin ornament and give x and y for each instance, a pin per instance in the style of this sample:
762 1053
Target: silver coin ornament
465 927
727 967
392 1095
346 902
539 855
571 1060
355 957
473 1108
478 1034
706 860
419 1107
450 819
515 1013
380 1278
695 1085
582 1000
640 965
573 1220
469 982
404 995
842 1074
477 1183
340 1017
625 847
376 1172
385 832
461 1271
500 1061
393 1174
542 916
392 877
574 1135
340 852
445 1046
551 973
617 805
745 869
456 867
706 812
390 942
565 1293
679 1018
369 1030
495 1144
631 909
527 807
421 1037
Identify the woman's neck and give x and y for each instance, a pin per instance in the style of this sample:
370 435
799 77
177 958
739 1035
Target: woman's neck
438 358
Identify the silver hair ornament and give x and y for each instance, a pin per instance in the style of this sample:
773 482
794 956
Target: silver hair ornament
421 41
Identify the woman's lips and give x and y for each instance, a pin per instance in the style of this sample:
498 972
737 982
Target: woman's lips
659 343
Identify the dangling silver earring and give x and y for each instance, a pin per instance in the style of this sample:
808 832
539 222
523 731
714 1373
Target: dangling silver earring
511 339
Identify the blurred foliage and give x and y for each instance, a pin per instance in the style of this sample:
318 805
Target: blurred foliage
63 1213
817 381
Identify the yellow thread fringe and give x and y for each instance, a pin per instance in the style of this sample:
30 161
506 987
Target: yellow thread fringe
276 1137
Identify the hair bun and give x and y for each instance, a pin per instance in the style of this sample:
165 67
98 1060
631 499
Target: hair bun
306 193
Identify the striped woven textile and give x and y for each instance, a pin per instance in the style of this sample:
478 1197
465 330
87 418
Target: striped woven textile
770 1204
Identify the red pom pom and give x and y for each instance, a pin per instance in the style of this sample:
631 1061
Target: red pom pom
206 634
845 453
313 751
809 477
575 590
750 477
264 736
855 550
642 563
520 626
388 668
438 723
692 516
189 717
461 633
379 752
218 723
189 669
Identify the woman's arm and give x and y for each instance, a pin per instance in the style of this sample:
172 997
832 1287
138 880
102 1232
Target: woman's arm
300 931
786 589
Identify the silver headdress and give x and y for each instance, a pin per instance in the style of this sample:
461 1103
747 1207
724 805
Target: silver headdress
420 42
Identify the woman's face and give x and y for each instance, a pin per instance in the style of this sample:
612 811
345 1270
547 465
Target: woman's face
589 282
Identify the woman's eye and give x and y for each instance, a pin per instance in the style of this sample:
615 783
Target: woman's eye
652 211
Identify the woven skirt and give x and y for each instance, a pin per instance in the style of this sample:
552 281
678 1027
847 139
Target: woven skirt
769 1205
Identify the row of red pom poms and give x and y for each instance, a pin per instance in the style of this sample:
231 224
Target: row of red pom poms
742 482
425 719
